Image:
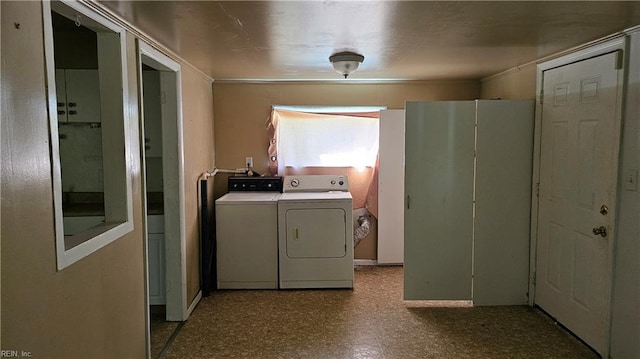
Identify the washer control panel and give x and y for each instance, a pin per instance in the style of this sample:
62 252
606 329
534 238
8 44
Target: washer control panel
315 183
254 184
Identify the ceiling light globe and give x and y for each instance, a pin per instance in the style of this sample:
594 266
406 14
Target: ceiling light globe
346 62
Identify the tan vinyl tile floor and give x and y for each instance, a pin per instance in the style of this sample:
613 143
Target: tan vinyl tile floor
161 330
370 321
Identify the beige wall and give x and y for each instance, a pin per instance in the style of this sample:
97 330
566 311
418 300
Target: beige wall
515 84
242 110
197 107
625 327
96 307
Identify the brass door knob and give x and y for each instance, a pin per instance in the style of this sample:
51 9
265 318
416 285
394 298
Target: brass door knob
604 210
602 231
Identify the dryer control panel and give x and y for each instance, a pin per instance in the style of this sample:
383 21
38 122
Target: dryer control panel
315 183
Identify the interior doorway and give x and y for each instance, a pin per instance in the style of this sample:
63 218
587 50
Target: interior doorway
161 138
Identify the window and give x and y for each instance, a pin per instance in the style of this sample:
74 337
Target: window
325 137
89 135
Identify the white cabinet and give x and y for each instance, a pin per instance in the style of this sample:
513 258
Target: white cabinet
78 95
156 260
467 201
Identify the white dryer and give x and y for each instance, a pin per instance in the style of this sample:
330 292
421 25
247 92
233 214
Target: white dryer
315 232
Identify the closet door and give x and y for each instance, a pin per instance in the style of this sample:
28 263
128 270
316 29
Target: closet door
503 202
438 225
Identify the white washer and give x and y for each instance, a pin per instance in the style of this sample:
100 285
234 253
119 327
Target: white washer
315 232
247 235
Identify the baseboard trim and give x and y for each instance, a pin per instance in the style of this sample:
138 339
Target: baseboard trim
195 302
438 303
365 262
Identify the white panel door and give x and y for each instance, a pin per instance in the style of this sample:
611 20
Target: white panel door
504 149
391 188
578 173
438 222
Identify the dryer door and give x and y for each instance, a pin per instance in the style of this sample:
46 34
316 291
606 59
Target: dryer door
316 233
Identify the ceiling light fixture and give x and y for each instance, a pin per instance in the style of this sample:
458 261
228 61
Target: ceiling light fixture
346 62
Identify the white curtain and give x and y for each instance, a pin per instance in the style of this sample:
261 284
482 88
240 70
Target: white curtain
328 141
321 140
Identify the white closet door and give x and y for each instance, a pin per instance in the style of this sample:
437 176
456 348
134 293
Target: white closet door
503 202
438 227
391 188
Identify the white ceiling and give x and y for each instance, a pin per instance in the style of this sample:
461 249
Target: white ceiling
408 40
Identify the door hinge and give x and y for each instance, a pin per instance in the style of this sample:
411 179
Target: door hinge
538 189
541 97
619 60
533 278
